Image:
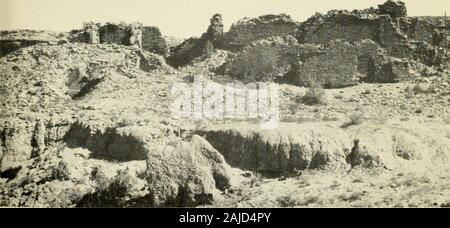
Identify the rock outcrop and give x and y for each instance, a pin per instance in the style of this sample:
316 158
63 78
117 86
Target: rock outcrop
88 123
120 167
292 147
188 174
21 141
282 150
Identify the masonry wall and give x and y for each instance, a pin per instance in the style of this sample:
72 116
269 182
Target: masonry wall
248 30
430 30
153 41
114 34
334 64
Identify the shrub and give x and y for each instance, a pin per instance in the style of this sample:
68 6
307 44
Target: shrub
314 95
286 201
354 119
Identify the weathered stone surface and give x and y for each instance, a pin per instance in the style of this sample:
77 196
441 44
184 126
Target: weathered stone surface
394 9
21 141
292 146
88 34
359 25
426 29
196 47
352 26
403 145
334 64
339 64
248 30
112 144
263 60
188 174
148 38
215 29
153 41
90 125
287 148
135 39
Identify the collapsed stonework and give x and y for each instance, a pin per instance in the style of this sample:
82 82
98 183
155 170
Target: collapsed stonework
334 64
248 30
215 29
427 29
388 25
130 35
383 26
153 41
241 34
88 34
21 141
148 38
195 47
292 147
394 9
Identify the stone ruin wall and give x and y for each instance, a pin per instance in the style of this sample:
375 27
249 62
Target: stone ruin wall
248 30
401 36
146 37
430 30
351 27
193 47
115 34
153 41
335 64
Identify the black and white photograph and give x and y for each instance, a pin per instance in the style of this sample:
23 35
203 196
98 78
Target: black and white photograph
207 104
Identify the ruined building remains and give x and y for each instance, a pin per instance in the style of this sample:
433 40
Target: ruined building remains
195 47
248 30
135 34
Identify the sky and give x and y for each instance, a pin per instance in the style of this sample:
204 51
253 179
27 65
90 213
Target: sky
179 18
